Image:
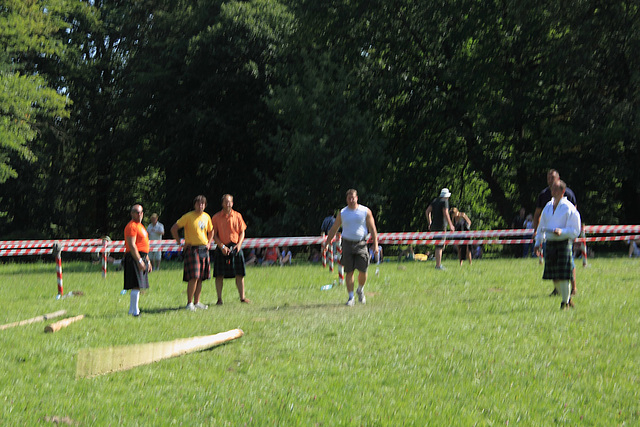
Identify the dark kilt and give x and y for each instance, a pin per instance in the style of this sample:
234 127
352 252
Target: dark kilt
557 260
196 263
133 277
228 266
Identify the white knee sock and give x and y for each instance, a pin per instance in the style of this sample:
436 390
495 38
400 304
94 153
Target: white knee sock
565 289
133 302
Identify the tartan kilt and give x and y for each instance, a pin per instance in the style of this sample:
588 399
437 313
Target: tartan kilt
196 263
557 260
228 266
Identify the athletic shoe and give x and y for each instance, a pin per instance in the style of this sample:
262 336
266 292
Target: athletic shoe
191 307
351 302
201 306
361 297
439 267
554 293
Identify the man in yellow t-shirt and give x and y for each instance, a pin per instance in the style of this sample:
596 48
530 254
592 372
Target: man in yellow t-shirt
198 232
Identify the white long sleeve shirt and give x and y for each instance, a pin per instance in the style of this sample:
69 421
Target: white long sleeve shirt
565 217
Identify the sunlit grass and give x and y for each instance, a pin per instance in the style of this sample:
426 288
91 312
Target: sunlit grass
481 344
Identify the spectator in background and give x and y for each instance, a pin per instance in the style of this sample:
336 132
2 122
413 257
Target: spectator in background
407 253
438 218
327 223
271 255
136 259
285 256
461 222
156 231
252 258
314 255
634 248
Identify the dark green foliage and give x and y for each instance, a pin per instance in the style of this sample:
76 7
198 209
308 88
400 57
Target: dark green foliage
287 104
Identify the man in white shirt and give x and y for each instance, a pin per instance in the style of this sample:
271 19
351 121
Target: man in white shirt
155 229
357 222
559 225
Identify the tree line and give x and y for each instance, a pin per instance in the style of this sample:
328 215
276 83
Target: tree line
287 104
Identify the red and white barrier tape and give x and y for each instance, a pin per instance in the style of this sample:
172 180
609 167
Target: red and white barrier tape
41 247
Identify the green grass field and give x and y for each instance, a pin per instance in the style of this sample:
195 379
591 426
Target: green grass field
481 344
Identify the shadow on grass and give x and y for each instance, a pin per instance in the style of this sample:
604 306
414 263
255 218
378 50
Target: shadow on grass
39 267
161 310
301 307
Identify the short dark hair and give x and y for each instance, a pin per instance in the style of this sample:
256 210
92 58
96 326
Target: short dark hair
351 190
199 199
224 196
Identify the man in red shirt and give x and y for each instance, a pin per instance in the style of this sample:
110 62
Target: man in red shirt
136 260
228 260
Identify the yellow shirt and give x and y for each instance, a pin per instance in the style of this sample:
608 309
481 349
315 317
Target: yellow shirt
196 228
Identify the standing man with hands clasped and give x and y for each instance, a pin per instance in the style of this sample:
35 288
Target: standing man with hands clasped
559 225
356 221
136 260
228 262
543 198
198 232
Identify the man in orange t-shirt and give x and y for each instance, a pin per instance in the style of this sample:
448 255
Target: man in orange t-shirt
136 260
228 233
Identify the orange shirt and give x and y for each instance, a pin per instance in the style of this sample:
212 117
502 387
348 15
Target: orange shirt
139 233
228 227
271 254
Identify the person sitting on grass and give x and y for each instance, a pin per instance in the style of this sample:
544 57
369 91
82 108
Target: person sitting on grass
285 256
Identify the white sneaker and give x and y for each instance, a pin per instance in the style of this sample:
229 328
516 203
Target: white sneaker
201 306
361 297
191 307
351 302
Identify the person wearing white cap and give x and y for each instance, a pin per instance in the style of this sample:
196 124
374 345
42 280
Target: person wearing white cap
438 217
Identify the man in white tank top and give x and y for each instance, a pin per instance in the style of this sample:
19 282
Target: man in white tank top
357 222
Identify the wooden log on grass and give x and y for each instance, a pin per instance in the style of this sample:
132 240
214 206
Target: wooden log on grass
98 361
55 327
35 319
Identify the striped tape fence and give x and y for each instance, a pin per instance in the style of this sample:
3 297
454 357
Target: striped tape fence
600 233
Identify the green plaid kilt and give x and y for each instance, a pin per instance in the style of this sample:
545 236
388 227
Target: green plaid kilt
557 260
